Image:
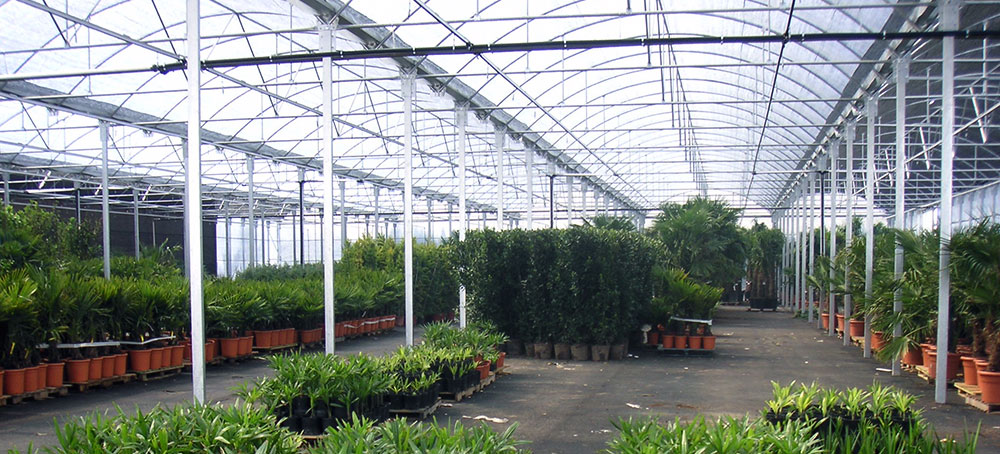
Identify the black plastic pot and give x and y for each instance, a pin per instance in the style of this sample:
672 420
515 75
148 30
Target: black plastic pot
340 412
327 422
300 406
312 426
321 410
292 423
412 401
455 386
396 401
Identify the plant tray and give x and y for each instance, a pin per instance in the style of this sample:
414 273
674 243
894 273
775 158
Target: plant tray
457 397
103 382
419 413
148 375
971 395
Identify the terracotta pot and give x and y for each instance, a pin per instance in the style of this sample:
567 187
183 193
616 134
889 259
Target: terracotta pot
107 367
262 339
176 355
543 350
13 383
680 341
138 360
989 384
878 341
599 352
210 348
43 375
653 338
400 321
1 380
826 320
31 379
579 352
840 322
230 347
561 351
155 358
54 375
708 342
503 355
77 370
96 366
484 370
913 357
969 370
245 345
954 363
216 347
694 342
121 360
667 340
187 350
857 328
618 351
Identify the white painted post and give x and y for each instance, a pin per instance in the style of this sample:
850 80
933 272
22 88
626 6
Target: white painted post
105 208
832 308
252 244
902 76
326 150
193 205
529 187
461 118
949 21
499 134
811 262
849 236
872 106
406 78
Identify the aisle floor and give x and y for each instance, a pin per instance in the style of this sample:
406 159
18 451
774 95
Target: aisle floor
568 407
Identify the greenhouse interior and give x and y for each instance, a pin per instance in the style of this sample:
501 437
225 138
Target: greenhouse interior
500 226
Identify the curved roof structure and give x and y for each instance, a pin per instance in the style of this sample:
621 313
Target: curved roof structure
638 101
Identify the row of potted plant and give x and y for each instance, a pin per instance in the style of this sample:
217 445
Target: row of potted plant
974 298
676 294
801 419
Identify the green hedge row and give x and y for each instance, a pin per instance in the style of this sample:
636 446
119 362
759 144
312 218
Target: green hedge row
581 285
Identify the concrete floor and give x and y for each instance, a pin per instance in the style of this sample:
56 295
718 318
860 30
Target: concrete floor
568 407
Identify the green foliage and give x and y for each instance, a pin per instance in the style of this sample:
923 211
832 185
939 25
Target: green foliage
727 435
576 285
976 265
240 428
764 247
401 437
622 223
703 238
282 272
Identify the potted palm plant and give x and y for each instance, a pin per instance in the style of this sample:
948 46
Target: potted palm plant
976 261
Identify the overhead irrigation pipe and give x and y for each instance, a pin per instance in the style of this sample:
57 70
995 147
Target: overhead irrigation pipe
476 49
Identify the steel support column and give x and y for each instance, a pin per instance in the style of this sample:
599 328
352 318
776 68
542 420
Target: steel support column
229 261
302 218
105 208
499 134
461 119
810 271
135 221
326 150
406 79
343 216
832 308
6 189
849 234
252 227
949 21
902 76
872 108
377 210
430 222
192 207
529 187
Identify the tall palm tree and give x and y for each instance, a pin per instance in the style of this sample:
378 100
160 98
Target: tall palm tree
976 261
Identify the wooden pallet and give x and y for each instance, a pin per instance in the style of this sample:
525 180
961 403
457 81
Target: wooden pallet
102 382
457 397
313 439
909 368
215 361
685 351
502 371
40 394
238 359
419 413
276 348
492 377
971 393
164 372
923 373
